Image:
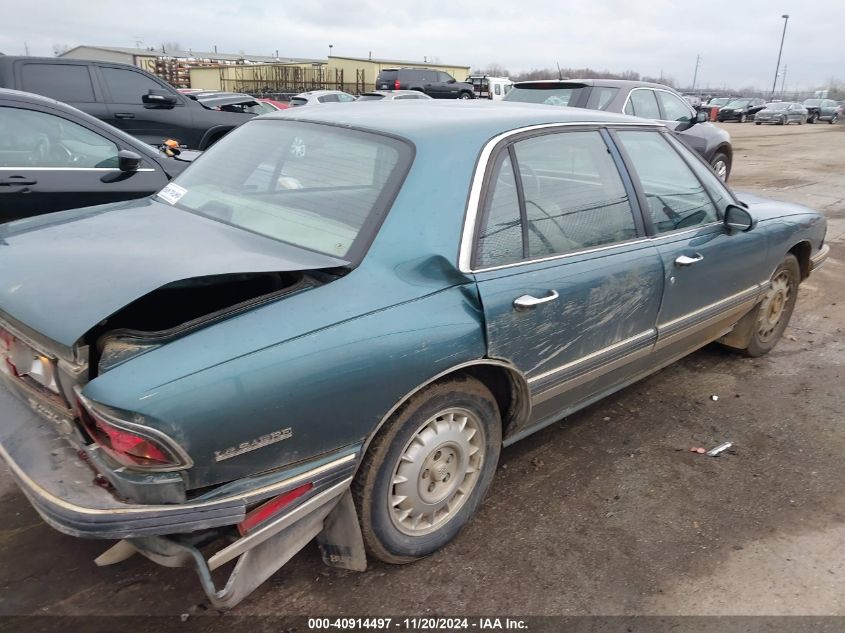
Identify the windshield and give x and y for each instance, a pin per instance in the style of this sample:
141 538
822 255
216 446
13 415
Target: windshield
319 187
812 102
777 106
546 93
739 103
718 102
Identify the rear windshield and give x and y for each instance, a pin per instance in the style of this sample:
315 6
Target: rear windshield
298 101
548 94
388 75
319 187
370 97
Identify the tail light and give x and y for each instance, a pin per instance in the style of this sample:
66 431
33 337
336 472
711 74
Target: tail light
130 444
271 508
396 85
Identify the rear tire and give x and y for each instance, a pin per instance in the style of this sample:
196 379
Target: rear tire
757 123
776 308
812 118
833 119
427 470
743 118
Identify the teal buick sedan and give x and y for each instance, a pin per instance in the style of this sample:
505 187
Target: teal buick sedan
332 322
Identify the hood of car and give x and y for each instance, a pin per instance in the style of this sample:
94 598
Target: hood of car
766 209
63 273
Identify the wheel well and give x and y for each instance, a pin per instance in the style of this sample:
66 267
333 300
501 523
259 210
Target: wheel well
213 137
802 252
509 389
726 150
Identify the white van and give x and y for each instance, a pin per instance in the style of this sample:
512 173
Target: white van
486 87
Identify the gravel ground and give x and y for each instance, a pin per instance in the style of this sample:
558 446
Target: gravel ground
606 512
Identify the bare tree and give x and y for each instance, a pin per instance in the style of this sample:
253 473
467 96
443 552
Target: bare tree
59 49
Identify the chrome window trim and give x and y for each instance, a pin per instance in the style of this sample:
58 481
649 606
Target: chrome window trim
474 200
628 98
30 168
592 355
587 251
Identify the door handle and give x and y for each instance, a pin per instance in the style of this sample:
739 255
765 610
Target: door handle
124 115
685 260
526 302
17 181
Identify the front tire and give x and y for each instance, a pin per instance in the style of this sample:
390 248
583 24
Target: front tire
427 470
833 119
465 95
743 118
813 118
721 165
776 308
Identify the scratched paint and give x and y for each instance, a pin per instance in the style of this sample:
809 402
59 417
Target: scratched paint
602 300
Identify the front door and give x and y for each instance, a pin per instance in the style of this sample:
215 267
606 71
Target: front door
570 287
711 277
151 123
50 163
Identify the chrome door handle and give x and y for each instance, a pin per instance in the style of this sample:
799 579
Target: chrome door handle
684 260
527 301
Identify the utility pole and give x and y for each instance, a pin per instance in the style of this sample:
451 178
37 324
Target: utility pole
26 48
695 74
785 17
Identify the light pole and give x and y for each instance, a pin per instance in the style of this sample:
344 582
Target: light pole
331 46
785 17
695 74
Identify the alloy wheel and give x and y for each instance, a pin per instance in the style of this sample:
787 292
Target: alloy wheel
437 471
773 307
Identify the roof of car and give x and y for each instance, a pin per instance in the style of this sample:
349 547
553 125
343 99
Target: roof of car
613 83
472 118
312 93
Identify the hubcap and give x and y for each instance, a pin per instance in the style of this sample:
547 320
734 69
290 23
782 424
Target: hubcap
773 306
437 471
721 169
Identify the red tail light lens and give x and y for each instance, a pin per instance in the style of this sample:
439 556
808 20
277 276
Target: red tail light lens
126 443
270 508
396 85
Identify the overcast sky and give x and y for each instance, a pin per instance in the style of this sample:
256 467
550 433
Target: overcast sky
738 40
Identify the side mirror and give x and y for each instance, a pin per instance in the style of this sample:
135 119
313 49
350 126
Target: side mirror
128 161
737 219
451 81
159 98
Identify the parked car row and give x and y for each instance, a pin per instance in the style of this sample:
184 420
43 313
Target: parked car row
293 341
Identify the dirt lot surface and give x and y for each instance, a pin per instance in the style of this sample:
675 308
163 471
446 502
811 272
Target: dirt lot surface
606 512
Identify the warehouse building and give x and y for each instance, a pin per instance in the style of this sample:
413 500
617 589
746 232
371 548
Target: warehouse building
174 65
351 74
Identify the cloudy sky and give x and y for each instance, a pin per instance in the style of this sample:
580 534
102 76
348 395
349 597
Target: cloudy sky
738 40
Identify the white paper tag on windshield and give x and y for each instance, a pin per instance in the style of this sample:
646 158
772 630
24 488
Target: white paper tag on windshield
172 193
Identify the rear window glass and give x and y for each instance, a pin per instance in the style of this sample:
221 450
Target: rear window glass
548 94
298 101
319 187
63 82
388 75
370 97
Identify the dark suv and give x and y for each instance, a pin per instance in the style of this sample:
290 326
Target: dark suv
637 98
127 97
742 110
434 83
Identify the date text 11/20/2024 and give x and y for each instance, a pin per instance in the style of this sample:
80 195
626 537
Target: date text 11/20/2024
417 624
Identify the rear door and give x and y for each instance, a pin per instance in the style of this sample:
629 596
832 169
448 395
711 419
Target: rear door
49 162
67 82
710 277
151 123
569 285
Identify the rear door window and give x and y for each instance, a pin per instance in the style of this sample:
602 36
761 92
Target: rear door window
643 103
64 82
600 97
128 86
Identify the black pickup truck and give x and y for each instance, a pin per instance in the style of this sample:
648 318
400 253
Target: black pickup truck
127 97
